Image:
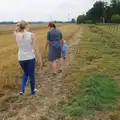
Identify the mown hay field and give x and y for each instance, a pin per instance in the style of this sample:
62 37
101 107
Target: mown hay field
5 27
10 71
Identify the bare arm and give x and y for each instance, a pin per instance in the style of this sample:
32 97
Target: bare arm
36 49
15 31
46 44
47 41
61 37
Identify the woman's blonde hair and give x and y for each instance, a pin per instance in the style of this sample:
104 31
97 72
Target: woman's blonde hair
22 25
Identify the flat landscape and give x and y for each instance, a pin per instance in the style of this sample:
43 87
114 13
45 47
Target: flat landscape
5 27
88 88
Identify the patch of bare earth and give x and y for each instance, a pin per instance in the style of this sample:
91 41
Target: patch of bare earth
52 90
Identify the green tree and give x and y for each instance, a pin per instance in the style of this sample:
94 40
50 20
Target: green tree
80 19
102 12
97 12
73 20
115 4
108 14
115 18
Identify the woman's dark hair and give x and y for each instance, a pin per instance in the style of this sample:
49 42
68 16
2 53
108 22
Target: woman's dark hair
51 25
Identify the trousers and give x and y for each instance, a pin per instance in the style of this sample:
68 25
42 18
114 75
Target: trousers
28 67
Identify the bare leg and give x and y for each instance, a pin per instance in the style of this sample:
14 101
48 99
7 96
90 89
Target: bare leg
60 64
54 66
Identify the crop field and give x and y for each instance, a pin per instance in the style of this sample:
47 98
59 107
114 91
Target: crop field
10 72
4 27
88 89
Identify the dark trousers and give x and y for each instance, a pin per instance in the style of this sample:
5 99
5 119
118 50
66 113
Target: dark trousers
28 67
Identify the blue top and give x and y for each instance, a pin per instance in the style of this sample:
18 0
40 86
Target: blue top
64 47
54 35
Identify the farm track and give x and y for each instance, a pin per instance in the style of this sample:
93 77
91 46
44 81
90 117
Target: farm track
51 92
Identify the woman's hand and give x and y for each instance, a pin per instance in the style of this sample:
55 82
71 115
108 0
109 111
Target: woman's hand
17 27
46 45
40 62
37 53
15 31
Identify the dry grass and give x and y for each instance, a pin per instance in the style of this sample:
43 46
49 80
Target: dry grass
4 27
9 69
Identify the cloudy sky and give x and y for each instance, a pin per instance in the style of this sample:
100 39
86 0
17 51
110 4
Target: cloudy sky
42 10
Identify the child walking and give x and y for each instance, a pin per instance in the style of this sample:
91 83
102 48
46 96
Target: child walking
63 55
64 49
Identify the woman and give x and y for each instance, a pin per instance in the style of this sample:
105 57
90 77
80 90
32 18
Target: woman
54 40
26 42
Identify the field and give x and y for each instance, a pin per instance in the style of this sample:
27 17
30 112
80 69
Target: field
4 27
88 88
9 69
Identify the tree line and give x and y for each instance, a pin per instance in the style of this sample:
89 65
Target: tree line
38 22
12 22
102 12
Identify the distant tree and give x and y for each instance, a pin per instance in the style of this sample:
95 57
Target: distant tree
115 4
101 12
88 22
97 12
7 22
80 19
73 20
108 14
115 18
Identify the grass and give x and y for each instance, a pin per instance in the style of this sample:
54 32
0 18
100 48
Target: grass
96 93
95 71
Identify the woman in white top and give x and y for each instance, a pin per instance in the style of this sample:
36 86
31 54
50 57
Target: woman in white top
26 42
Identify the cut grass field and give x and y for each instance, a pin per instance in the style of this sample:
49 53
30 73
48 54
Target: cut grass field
8 27
96 71
10 72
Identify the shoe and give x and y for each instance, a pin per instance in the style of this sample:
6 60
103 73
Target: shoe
21 93
60 71
34 92
54 74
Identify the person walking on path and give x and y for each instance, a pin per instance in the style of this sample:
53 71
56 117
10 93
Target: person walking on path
28 48
54 41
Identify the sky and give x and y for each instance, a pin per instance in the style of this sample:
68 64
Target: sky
43 10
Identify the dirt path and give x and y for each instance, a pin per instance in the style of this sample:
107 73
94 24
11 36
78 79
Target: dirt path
51 91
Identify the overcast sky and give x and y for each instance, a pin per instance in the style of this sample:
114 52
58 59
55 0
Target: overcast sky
42 10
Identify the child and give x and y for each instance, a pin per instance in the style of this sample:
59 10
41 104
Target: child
64 49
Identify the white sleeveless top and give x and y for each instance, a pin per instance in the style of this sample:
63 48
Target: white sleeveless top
24 43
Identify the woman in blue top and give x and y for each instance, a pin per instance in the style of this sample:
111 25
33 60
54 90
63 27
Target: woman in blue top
54 40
